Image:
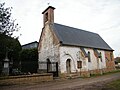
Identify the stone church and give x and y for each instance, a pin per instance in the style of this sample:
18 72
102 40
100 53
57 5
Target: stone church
75 50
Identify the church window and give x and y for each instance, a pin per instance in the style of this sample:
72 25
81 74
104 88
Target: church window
79 64
100 56
89 59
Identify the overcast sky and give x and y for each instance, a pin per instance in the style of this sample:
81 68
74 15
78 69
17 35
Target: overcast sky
99 16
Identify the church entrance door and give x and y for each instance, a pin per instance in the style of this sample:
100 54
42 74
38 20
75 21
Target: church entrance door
68 66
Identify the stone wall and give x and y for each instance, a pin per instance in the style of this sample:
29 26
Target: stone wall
110 64
26 79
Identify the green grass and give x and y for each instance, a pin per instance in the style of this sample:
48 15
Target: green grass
115 71
94 75
114 85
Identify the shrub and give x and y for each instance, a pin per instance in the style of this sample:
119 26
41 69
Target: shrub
29 60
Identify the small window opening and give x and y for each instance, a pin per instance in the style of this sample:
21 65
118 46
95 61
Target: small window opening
100 56
79 64
89 59
46 17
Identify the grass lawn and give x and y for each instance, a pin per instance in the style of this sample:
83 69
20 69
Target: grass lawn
114 85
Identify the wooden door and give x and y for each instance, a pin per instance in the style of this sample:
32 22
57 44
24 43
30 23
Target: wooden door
68 66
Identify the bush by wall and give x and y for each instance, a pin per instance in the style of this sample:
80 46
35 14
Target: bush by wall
29 60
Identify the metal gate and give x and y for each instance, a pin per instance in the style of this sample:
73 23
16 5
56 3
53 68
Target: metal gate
49 67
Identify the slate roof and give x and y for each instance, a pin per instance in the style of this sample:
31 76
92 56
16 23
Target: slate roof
30 45
78 37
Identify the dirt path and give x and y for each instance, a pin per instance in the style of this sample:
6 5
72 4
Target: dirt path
93 83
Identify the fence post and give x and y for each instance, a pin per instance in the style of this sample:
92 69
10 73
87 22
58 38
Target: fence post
47 67
57 69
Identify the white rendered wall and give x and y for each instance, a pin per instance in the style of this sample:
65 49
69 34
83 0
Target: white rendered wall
103 63
67 52
96 62
93 64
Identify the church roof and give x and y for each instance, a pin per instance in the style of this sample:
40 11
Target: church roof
78 37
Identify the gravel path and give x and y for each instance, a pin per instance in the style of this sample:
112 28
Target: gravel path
93 83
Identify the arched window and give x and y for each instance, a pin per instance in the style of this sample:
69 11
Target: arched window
100 56
89 59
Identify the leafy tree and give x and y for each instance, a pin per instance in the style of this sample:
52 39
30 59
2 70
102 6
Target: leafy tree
8 44
12 47
29 60
7 24
117 60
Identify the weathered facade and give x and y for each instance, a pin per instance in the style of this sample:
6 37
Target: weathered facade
76 51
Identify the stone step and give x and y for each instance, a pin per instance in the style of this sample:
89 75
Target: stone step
72 76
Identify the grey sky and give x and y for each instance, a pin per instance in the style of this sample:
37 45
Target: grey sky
99 16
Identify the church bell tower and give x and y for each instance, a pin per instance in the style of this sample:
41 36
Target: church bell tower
48 15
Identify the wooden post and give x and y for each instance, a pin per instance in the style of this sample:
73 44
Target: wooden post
57 69
47 66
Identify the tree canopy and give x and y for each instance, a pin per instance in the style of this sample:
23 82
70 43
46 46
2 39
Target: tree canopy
12 47
8 44
7 28
7 24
